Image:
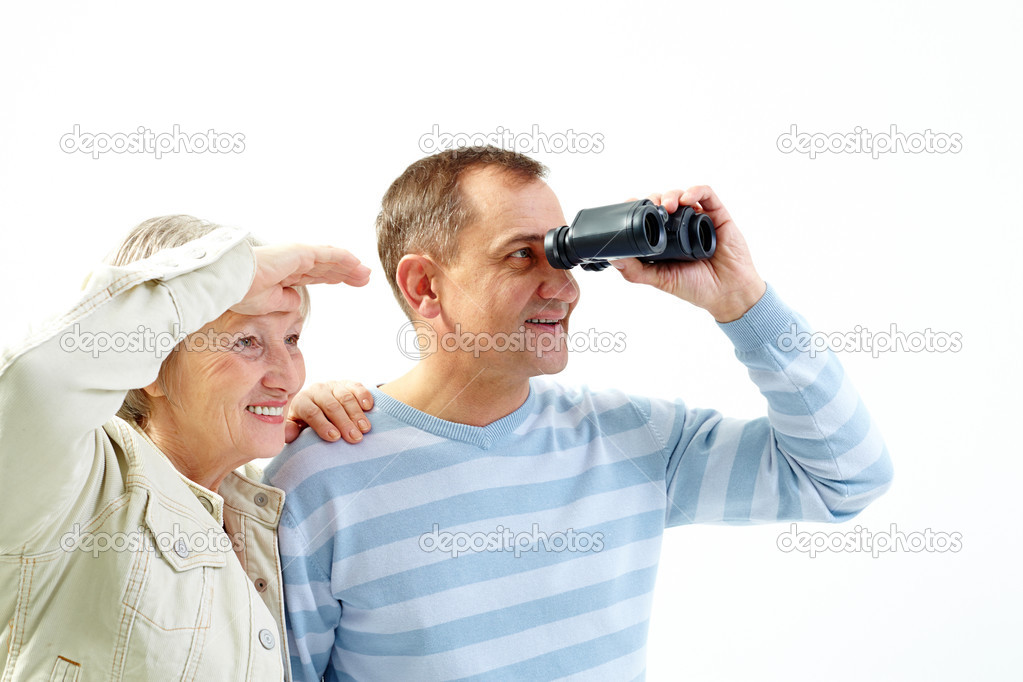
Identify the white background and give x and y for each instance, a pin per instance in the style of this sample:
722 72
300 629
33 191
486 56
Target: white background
333 100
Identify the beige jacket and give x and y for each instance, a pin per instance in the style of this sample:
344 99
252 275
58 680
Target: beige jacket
114 566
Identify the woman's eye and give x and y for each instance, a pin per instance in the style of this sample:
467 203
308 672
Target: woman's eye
245 342
292 340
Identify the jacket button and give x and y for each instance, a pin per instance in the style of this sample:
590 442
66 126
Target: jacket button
181 549
207 505
261 499
260 584
266 638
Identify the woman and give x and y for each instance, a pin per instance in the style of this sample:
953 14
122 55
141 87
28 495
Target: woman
143 546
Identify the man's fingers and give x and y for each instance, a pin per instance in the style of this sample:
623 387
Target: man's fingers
635 271
705 200
704 194
669 200
672 199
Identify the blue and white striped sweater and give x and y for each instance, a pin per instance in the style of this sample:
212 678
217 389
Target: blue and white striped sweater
583 483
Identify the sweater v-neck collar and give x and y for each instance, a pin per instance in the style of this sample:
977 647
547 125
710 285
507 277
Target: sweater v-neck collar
483 437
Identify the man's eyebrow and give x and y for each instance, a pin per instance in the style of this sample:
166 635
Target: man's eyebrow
521 237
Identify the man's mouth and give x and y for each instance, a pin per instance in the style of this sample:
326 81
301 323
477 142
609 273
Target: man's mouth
551 324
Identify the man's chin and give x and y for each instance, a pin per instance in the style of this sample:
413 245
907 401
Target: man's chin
552 363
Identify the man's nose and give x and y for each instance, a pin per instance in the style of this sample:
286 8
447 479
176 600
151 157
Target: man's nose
558 285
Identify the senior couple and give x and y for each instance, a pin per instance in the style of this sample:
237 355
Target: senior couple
138 543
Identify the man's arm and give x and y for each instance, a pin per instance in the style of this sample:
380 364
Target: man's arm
313 613
816 456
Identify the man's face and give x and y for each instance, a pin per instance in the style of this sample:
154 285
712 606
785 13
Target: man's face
500 282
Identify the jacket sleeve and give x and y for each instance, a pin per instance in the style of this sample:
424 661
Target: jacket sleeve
816 456
62 383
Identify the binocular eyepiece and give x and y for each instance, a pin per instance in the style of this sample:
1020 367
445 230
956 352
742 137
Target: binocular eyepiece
635 229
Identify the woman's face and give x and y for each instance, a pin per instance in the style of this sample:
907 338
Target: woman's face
230 390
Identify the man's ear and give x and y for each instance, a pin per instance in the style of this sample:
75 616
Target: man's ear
417 277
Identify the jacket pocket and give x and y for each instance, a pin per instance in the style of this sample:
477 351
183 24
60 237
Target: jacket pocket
171 586
65 670
168 597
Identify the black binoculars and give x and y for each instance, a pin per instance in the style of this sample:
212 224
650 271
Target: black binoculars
635 229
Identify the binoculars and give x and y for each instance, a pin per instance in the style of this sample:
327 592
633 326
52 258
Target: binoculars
635 229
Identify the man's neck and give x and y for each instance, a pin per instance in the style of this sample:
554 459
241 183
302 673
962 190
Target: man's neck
476 396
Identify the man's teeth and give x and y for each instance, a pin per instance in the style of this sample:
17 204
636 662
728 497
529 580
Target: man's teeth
269 411
537 320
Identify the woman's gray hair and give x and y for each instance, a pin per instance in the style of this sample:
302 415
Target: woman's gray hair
146 239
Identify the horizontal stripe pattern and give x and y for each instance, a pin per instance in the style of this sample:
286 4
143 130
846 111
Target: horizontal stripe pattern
556 512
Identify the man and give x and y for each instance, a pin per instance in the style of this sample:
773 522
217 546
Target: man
499 526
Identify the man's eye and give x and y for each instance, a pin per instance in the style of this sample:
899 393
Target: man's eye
521 253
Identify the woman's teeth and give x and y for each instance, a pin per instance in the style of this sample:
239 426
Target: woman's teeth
537 320
268 411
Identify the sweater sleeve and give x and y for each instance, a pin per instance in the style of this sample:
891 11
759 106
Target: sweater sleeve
313 612
816 456
63 382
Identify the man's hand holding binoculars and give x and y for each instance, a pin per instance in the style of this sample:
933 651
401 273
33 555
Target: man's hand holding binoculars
682 242
726 284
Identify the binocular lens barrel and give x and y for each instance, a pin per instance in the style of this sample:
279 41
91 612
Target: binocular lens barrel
596 234
691 236
634 229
